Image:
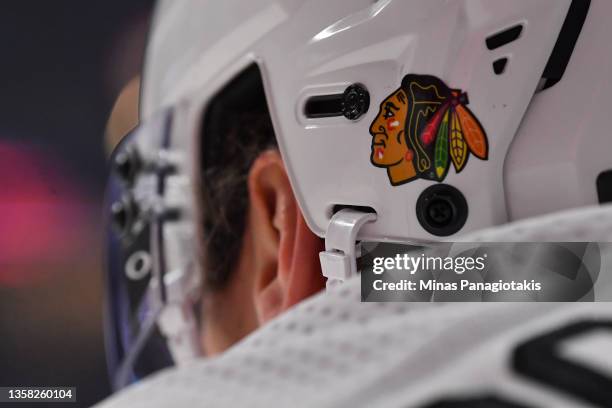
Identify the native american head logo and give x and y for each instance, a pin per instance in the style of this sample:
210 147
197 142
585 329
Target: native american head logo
421 128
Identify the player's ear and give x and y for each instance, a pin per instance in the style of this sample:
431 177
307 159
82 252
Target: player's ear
285 252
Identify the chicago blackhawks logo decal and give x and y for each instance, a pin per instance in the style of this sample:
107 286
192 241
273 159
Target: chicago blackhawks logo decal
421 128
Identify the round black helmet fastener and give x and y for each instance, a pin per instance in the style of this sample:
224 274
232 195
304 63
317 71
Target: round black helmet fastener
355 101
442 210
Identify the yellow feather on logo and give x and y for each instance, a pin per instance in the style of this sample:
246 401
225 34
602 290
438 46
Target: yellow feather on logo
458 147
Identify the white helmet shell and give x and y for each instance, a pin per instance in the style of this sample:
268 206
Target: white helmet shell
441 117
528 165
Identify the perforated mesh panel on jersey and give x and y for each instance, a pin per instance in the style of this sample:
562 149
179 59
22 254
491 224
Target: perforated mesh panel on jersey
332 350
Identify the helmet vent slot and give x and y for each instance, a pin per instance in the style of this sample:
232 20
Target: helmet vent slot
499 66
352 104
504 37
604 187
323 106
564 48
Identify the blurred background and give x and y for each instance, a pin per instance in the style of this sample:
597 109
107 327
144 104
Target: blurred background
63 66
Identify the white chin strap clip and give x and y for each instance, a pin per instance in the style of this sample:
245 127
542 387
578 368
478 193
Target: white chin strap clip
339 260
177 319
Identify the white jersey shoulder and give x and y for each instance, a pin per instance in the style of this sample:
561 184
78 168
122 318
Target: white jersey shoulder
332 350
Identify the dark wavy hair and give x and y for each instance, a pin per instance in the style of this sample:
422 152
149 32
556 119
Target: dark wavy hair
236 129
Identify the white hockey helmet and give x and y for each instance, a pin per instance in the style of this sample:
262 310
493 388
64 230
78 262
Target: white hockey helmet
397 120
545 150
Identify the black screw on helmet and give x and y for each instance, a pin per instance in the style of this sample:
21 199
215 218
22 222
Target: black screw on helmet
123 214
126 164
355 102
442 210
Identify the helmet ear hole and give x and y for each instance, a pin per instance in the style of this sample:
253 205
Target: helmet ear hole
442 210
